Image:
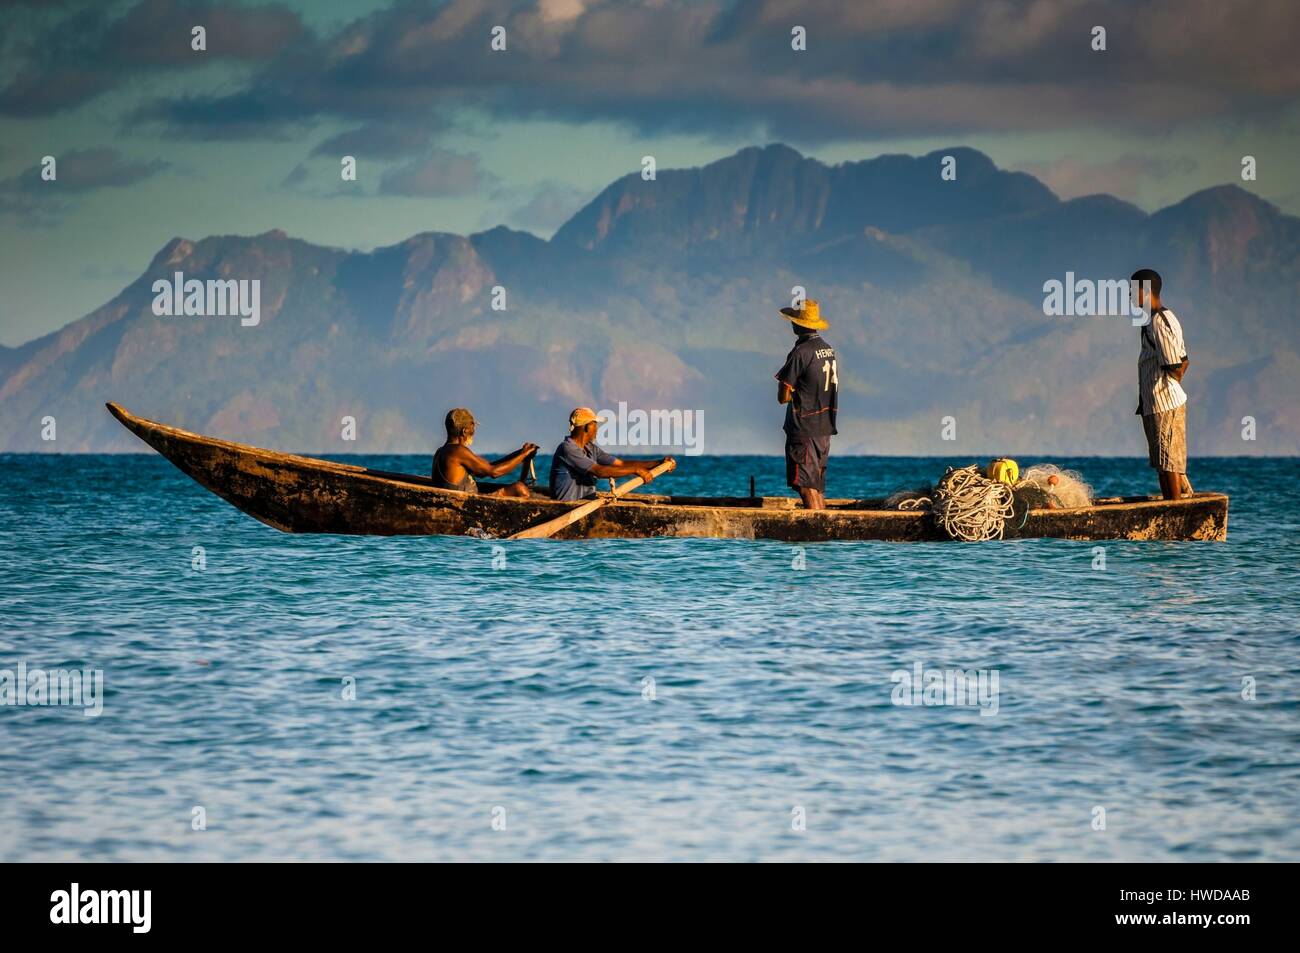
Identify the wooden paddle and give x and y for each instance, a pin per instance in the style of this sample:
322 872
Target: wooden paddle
551 527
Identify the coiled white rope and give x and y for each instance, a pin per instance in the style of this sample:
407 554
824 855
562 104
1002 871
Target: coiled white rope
971 507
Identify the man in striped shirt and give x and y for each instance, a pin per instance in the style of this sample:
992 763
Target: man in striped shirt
1161 400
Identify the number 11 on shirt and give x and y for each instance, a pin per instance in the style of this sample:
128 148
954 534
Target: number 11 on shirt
828 368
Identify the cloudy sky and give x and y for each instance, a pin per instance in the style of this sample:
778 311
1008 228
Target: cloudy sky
154 139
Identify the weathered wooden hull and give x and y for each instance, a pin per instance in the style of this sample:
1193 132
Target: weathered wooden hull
305 495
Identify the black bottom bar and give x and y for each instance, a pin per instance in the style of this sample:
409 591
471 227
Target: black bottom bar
1220 904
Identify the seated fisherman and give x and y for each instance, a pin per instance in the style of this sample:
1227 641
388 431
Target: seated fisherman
455 465
579 460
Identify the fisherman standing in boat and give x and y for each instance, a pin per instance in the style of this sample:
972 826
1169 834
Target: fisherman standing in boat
455 465
1161 399
808 384
579 461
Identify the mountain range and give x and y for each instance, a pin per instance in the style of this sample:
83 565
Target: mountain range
664 293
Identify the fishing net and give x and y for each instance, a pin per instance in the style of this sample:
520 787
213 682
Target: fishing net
909 499
1045 486
969 506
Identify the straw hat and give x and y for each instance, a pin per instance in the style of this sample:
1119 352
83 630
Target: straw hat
809 316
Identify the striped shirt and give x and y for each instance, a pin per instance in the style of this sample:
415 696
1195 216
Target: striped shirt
1162 344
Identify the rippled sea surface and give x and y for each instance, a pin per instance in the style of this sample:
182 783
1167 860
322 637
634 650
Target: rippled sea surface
506 711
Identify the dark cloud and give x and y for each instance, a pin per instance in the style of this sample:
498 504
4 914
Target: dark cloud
380 140
35 202
442 173
886 68
297 176
320 178
250 114
83 170
56 61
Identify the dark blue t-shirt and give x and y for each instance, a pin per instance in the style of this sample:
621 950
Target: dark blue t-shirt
571 476
810 369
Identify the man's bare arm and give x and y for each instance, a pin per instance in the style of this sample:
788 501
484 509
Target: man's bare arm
784 392
480 467
639 468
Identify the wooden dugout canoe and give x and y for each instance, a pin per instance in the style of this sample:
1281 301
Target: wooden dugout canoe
298 494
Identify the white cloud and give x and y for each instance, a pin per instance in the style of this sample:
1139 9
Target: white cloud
560 11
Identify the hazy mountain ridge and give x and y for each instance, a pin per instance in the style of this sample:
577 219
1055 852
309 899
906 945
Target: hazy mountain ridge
776 193
664 294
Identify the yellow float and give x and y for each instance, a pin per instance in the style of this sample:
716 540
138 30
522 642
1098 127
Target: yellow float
1003 470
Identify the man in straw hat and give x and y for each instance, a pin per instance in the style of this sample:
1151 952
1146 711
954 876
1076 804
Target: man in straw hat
809 386
579 460
455 465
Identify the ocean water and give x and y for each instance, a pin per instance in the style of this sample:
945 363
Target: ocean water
642 699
